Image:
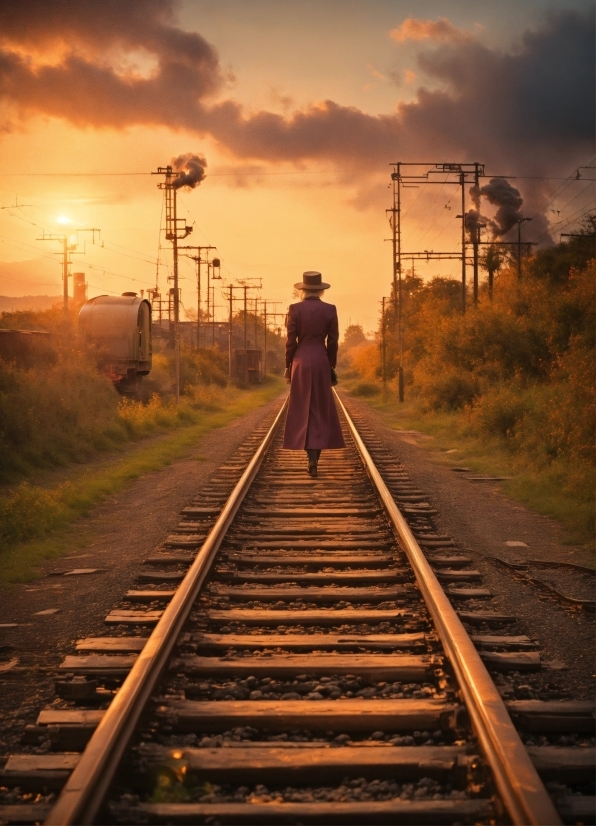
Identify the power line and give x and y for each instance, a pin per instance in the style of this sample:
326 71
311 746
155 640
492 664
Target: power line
428 229
574 217
112 243
125 254
581 192
29 248
243 172
23 247
26 281
116 274
569 179
45 225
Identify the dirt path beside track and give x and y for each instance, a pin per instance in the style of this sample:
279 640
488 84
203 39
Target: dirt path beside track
481 521
122 531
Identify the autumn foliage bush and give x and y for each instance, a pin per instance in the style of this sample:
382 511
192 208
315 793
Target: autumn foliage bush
519 367
61 409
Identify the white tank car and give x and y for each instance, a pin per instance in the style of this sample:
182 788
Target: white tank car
119 327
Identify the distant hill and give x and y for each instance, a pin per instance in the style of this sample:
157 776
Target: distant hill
10 303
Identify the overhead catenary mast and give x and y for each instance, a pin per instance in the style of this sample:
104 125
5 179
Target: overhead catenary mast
69 245
198 261
176 229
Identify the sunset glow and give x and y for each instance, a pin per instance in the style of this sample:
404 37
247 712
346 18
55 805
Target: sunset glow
297 140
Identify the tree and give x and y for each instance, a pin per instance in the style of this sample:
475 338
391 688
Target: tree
353 336
491 261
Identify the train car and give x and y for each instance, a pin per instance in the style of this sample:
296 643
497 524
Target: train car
120 328
247 366
27 348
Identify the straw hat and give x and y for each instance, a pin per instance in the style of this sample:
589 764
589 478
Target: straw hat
312 281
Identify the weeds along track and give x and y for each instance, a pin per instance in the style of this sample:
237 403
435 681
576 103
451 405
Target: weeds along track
291 655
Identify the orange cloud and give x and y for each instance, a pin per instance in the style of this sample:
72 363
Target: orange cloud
127 64
441 30
375 72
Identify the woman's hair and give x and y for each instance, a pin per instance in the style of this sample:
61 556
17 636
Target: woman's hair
305 293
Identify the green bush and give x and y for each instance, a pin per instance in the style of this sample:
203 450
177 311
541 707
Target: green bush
65 411
54 414
500 410
28 512
447 390
365 389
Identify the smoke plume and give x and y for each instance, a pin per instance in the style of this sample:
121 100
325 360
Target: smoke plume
506 198
474 220
191 169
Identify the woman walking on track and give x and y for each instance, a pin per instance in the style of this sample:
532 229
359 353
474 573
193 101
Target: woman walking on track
311 354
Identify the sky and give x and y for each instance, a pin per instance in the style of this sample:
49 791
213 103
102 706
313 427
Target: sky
296 109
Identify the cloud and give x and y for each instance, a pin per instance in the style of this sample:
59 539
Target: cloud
527 109
375 72
441 31
524 110
72 59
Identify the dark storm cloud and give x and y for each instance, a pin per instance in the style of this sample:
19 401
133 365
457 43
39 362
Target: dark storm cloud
535 97
530 108
69 59
524 109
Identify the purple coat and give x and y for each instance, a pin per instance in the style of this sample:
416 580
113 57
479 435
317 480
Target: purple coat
311 351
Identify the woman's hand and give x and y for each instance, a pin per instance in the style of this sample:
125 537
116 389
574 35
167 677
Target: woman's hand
288 375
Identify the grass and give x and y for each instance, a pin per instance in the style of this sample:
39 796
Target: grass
561 490
35 519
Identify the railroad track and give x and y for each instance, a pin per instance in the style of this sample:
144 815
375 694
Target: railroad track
295 653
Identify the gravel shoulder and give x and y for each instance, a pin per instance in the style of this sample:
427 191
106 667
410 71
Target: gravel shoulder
481 520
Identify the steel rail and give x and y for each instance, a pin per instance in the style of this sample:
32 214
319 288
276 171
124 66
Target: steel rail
83 793
516 779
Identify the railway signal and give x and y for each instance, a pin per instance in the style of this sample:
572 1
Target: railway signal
176 229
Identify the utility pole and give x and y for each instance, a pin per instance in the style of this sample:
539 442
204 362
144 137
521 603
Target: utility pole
244 286
383 346
230 322
476 235
519 247
245 337
245 318
462 179
208 296
198 261
69 244
396 179
416 174
215 265
264 338
176 229
231 288
265 316
396 236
